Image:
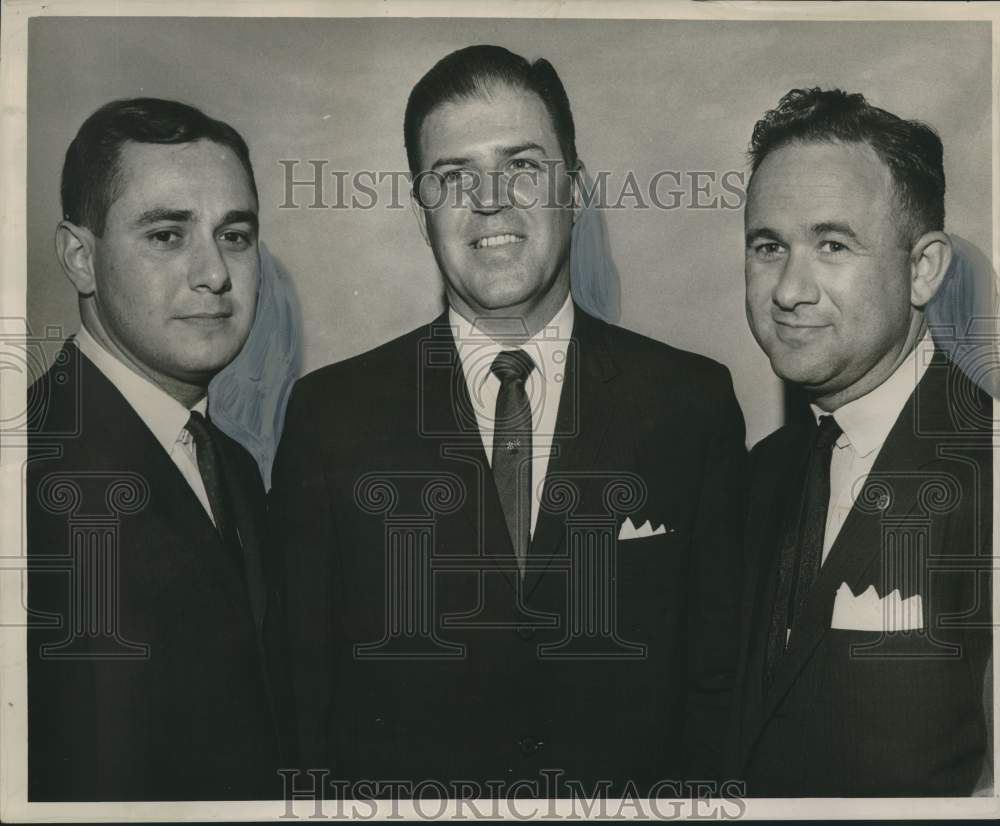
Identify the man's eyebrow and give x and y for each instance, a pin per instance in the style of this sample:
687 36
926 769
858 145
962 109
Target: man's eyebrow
450 162
503 152
240 216
834 226
762 232
517 149
154 216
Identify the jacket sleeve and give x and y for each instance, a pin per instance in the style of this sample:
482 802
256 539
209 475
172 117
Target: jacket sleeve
716 575
302 536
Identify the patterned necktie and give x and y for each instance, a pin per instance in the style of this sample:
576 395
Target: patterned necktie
802 548
212 471
512 448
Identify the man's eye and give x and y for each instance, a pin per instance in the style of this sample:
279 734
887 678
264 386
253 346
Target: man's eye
453 176
236 239
769 249
524 163
833 246
165 238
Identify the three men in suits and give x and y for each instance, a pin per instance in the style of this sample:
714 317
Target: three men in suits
509 536
869 523
149 672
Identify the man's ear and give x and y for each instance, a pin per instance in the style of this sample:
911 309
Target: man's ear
929 260
420 214
75 251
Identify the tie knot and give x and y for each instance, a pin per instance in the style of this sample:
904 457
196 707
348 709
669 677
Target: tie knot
198 426
512 365
827 432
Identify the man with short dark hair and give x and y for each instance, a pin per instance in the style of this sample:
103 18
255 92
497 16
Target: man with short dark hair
511 534
869 522
149 672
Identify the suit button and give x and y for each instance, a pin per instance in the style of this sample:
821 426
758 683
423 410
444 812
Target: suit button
529 745
525 632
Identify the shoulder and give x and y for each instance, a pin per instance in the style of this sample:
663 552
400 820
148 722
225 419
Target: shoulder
629 343
73 410
53 399
961 402
650 363
388 368
777 448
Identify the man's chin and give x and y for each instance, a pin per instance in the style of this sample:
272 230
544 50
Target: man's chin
499 302
811 373
203 369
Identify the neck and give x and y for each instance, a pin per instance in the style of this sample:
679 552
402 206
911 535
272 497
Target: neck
515 324
187 393
830 402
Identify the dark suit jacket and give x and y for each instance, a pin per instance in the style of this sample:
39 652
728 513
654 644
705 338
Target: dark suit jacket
147 675
854 713
413 659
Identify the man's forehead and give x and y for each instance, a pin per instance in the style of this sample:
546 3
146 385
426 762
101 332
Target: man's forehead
177 154
194 170
487 122
806 178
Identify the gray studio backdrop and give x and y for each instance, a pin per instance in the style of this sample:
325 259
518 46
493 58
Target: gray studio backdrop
647 96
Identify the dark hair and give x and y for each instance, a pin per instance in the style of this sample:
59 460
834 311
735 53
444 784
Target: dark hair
475 71
912 150
91 176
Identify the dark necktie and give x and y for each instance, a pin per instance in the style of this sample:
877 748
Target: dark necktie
802 543
206 440
512 448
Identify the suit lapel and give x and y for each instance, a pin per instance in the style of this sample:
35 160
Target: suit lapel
586 404
111 421
859 542
455 445
775 496
248 505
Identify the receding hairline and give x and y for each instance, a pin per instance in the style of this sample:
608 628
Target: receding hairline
906 222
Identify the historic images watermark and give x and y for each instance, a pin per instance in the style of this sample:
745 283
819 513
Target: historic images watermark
312 184
314 795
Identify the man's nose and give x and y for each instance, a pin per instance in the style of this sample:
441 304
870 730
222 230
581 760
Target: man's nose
208 267
797 284
491 194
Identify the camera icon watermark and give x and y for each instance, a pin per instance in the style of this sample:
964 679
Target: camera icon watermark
459 367
47 367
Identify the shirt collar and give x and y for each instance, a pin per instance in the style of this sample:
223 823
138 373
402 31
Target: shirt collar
160 412
866 422
547 347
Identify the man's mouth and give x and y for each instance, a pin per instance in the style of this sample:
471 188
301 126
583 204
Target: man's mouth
491 241
205 318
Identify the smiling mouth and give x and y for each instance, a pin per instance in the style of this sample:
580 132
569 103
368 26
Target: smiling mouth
492 241
791 326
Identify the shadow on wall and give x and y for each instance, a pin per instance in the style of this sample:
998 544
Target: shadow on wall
247 399
593 276
963 316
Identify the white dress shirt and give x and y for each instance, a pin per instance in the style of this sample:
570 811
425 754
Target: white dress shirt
160 412
866 423
548 349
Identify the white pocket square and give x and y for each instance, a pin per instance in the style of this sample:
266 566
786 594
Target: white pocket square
630 531
870 612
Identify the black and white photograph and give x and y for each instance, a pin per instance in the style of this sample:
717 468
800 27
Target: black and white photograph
562 411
